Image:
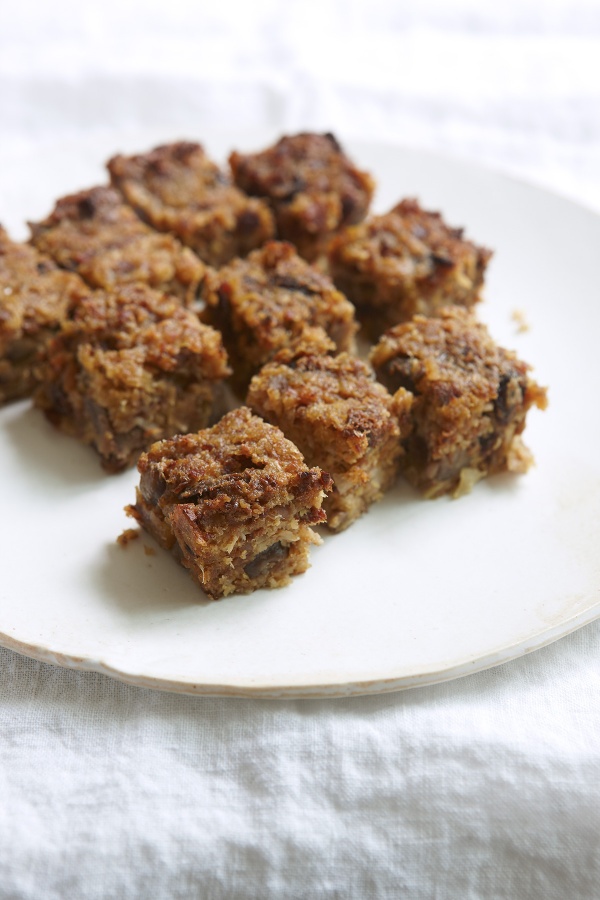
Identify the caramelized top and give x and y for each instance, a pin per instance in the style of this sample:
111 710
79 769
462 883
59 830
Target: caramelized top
334 403
138 326
34 292
95 234
275 294
312 186
180 175
409 242
304 162
176 187
239 467
451 360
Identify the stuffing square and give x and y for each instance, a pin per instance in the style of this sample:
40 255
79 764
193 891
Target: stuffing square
95 234
471 399
274 300
130 367
313 187
34 297
177 188
233 503
403 263
342 420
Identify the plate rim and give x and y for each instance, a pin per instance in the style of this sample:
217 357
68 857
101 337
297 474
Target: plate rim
334 690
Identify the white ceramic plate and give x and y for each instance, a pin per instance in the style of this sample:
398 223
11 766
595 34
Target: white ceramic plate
415 592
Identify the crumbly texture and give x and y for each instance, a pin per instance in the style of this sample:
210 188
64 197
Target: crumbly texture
403 263
275 300
34 296
233 503
314 189
341 420
131 367
177 188
127 536
95 234
471 400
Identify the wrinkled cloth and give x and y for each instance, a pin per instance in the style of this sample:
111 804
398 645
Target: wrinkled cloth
484 787
488 786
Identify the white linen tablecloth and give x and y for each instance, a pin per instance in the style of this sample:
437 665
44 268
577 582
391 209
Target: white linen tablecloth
486 787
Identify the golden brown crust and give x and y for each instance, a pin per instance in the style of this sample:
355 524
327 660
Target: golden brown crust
95 234
471 399
403 263
177 188
342 420
128 368
34 297
233 503
275 301
313 188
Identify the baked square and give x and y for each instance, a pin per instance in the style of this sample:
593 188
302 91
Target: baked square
177 188
95 234
233 503
274 300
130 367
471 399
313 188
405 262
34 297
341 420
